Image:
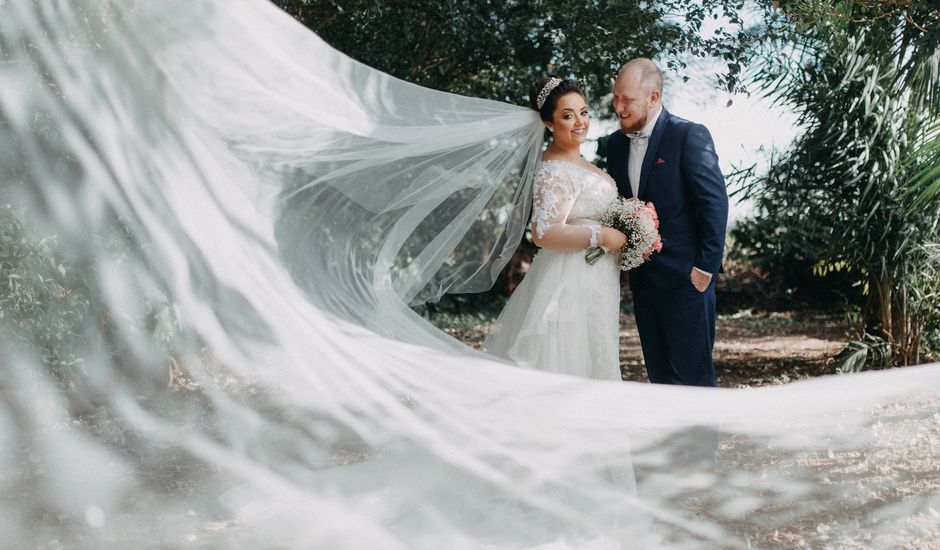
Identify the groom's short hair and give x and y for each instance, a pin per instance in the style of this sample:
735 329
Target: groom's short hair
650 75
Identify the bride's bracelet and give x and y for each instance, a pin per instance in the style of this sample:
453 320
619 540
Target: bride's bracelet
595 236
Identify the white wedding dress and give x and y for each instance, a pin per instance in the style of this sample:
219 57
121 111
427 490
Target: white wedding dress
564 316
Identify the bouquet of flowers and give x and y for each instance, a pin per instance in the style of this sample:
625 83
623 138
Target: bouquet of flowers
639 222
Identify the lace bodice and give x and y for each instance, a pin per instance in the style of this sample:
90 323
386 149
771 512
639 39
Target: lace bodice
568 193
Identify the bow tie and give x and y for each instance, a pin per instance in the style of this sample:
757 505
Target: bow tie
637 135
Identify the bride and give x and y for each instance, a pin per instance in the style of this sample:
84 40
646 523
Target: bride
564 316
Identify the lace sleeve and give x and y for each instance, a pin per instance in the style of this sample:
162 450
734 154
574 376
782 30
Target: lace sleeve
556 190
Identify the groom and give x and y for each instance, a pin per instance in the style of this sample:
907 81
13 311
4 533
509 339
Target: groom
671 162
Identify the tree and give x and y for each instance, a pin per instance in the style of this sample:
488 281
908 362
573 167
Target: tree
863 77
495 49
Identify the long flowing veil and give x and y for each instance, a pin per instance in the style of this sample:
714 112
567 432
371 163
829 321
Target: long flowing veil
248 206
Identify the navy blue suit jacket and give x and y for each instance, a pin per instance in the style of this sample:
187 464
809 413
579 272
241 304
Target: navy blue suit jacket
681 177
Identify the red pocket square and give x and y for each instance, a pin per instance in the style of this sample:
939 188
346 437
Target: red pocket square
660 161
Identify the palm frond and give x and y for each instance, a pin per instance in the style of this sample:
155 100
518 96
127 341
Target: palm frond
924 186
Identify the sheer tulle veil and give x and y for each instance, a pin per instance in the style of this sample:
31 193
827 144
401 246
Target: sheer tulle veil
287 204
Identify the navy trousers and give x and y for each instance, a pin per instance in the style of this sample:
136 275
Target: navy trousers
677 333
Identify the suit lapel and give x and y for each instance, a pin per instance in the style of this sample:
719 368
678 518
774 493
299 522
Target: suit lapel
623 167
652 150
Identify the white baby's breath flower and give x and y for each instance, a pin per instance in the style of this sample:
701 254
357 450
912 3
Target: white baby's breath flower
639 222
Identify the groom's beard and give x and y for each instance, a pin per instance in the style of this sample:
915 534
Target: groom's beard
633 124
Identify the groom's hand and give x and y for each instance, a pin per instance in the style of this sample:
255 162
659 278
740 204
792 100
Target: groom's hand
700 279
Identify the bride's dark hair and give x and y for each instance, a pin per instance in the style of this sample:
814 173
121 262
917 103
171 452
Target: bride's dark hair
566 87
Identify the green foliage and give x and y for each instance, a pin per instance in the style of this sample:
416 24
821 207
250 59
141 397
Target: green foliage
44 299
925 301
906 29
869 353
461 311
495 49
860 78
925 185
787 260
57 315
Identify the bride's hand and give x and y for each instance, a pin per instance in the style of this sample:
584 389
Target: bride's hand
611 239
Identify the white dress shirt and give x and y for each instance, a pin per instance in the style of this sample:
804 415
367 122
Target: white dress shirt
638 148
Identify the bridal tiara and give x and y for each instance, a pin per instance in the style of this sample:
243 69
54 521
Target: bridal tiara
547 89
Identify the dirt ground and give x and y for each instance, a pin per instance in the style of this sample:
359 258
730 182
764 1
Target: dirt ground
756 349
